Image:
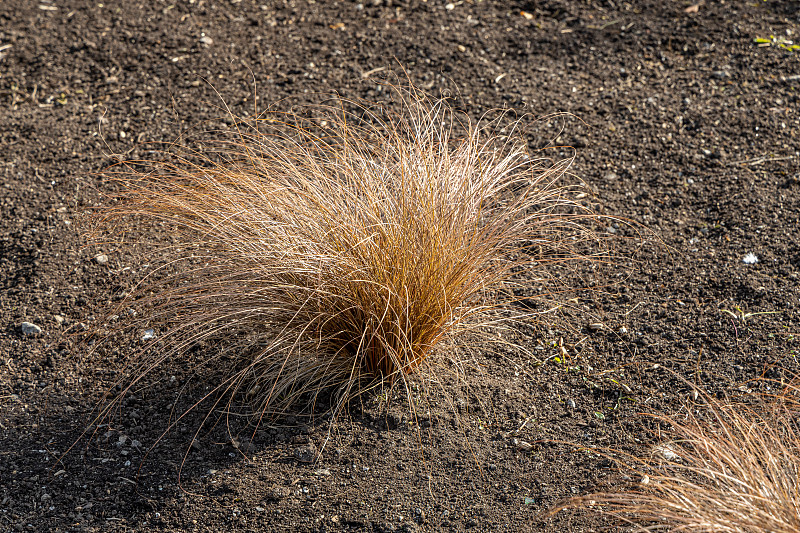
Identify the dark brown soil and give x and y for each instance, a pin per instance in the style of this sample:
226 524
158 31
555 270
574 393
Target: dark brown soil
688 127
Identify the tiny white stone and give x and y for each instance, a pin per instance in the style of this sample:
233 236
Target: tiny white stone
149 335
101 259
750 259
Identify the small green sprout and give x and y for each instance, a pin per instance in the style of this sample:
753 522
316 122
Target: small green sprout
742 316
780 42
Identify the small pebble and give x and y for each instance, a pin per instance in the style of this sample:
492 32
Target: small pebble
101 259
28 328
148 335
750 259
571 403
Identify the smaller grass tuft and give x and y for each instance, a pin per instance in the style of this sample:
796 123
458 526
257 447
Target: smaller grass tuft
727 467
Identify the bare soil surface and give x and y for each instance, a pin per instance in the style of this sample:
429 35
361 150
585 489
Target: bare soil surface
686 126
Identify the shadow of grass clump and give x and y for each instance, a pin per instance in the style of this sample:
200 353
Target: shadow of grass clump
335 249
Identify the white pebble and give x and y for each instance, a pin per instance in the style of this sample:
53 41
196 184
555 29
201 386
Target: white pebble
750 259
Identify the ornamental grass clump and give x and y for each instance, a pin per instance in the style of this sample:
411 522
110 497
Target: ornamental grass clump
336 248
727 467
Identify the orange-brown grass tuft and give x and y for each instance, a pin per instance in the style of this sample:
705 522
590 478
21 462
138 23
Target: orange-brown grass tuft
335 248
727 467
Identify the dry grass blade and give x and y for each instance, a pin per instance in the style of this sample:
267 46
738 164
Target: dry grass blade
728 467
333 250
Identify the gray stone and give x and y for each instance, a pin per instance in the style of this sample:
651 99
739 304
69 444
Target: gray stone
29 328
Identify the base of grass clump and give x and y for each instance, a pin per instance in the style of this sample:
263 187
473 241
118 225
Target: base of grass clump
337 248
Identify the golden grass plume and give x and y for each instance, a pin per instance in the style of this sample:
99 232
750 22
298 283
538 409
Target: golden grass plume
336 246
729 467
